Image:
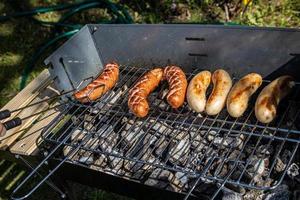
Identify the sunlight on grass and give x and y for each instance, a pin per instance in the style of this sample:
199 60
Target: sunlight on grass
15 180
7 171
10 59
6 29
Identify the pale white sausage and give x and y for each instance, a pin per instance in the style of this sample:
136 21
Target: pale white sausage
239 95
269 98
196 91
222 84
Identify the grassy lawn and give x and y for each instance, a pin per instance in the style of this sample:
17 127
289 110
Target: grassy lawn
21 38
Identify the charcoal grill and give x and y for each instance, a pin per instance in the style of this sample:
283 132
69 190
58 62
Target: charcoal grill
171 152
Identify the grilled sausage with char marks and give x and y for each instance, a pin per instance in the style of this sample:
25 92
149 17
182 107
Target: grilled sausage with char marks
105 81
137 101
177 85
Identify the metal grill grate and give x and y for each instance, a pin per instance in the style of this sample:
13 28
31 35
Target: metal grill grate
184 146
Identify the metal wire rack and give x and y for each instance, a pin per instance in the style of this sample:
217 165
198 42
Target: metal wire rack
181 144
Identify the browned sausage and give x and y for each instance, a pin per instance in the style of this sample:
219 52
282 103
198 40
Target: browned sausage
239 95
269 98
137 100
222 84
177 85
105 81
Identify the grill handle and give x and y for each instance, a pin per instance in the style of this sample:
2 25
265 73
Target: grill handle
4 114
12 123
9 125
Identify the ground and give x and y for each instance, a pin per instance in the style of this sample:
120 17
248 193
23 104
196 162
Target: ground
20 38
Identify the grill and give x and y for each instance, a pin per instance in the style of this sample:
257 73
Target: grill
179 151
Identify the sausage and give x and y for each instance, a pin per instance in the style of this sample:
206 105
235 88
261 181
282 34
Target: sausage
103 83
137 100
196 91
269 98
177 85
239 95
222 84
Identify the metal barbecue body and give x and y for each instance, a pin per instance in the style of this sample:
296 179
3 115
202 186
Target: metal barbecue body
176 151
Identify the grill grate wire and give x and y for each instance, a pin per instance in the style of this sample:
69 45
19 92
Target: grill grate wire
112 111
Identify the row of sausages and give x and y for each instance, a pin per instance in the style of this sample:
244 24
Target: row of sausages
235 98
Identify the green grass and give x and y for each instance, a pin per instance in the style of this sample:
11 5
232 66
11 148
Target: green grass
20 38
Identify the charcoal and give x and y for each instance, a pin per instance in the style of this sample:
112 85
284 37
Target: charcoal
163 179
115 162
279 165
228 142
89 126
236 188
100 163
197 141
133 166
160 146
293 170
211 135
75 120
264 150
256 168
254 195
279 193
179 152
236 154
86 159
104 130
231 195
160 127
132 131
182 179
142 145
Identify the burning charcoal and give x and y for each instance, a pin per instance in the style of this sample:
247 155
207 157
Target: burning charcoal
231 195
132 131
281 192
293 170
160 127
235 154
211 135
133 166
86 159
100 163
197 141
180 150
76 121
88 123
280 165
228 142
163 179
264 150
236 188
142 146
182 178
199 145
77 135
256 167
105 130
161 146
254 195
114 162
